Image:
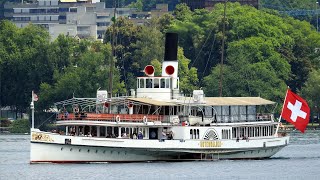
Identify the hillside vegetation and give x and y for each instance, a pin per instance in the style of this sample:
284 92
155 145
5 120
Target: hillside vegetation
265 53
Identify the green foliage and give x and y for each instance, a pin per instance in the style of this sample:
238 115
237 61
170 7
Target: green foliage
188 76
138 5
83 70
182 12
311 90
20 126
264 52
24 63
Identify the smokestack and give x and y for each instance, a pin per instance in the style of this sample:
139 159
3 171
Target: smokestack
171 47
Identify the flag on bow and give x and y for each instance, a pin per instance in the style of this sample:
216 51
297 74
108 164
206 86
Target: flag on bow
296 111
34 96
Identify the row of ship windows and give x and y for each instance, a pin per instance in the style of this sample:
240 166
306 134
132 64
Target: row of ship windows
226 134
245 132
240 132
194 134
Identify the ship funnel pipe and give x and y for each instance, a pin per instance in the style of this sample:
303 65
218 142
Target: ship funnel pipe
171 47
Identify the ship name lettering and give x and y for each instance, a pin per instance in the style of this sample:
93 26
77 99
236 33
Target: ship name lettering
41 137
210 144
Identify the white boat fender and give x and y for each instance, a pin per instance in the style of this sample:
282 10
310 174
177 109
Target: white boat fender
117 118
145 119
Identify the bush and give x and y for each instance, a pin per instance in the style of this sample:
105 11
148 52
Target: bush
20 126
5 123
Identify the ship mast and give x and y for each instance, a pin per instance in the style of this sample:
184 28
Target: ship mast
222 48
113 52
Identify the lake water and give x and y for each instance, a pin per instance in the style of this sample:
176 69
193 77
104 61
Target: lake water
299 160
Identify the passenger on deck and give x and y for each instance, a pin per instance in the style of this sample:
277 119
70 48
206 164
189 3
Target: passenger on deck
140 135
124 135
170 136
164 136
134 136
66 114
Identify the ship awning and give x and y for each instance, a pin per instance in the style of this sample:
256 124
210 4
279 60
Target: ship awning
77 101
236 101
152 101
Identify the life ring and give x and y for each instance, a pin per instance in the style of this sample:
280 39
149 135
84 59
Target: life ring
145 119
117 118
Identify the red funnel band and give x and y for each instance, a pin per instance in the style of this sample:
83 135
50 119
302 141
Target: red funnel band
169 70
149 70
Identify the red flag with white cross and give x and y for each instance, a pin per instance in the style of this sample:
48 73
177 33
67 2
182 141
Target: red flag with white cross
296 111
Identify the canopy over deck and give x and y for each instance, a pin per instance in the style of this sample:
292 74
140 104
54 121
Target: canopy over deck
236 101
208 101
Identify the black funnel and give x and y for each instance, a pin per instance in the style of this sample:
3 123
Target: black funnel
171 48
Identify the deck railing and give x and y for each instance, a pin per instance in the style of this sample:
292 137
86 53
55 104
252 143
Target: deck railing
111 117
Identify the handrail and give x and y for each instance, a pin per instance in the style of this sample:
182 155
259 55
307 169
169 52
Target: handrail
109 117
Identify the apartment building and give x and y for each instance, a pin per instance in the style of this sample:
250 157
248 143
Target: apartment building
81 18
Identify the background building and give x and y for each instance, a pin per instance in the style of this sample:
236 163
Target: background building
200 4
81 18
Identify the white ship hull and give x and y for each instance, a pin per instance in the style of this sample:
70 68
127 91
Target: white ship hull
88 149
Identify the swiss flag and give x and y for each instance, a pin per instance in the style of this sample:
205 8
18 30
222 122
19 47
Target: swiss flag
296 111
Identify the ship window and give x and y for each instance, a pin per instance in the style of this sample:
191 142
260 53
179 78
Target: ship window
167 83
251 113
191 134
156 83
243 113
198 137
149 83
142 83
225 113
226 134
162 83
234 113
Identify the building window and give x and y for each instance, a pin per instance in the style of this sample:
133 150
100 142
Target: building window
74 9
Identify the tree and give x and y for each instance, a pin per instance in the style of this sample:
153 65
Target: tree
265 51
182 12
138 5
24 63
82 80
311 90
188 76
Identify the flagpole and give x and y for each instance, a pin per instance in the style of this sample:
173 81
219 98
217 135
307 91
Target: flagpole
32 112
276 133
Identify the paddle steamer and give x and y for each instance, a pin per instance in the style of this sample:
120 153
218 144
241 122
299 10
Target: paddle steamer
157 123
